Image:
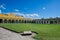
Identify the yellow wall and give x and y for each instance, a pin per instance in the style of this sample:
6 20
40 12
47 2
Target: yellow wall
10 16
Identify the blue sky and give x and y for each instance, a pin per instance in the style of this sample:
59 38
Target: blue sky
31 8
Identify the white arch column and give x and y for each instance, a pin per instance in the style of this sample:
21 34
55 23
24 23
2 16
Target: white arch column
3 20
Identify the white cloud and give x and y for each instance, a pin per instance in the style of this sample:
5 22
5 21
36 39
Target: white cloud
0 12
2 6
21 14
36 15
33 15
43 8
17 10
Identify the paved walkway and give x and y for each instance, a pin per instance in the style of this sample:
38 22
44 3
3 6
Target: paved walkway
8 35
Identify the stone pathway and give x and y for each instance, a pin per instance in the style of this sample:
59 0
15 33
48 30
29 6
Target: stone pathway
9 35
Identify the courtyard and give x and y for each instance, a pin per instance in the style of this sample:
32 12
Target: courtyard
45 31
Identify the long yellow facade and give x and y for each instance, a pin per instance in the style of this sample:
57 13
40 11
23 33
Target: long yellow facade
11 17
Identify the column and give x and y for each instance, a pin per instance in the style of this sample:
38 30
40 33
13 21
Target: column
3 20
7 20
42 21
48 22
18 21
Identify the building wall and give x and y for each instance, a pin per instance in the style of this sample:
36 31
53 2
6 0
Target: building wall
12 18
47 21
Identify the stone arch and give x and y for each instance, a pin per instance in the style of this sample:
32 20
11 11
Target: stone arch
12 21
55 22
9 21
29 21
16 21
19 21
41 22
51 22
1 20
25 21
44 22
5 20
33 21
22 21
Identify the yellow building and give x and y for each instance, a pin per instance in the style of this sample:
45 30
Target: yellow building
8 18
12 18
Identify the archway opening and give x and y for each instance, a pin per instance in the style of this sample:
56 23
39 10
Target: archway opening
5 21
16 21
19 21
9 21
1 20
12 21
51 22
55 22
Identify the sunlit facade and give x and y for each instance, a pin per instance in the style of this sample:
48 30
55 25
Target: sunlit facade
12 18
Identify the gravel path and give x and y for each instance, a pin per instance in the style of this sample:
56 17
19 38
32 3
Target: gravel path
8 35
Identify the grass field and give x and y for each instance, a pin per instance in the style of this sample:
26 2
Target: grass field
45 31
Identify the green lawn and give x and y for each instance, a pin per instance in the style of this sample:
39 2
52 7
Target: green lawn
45 31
